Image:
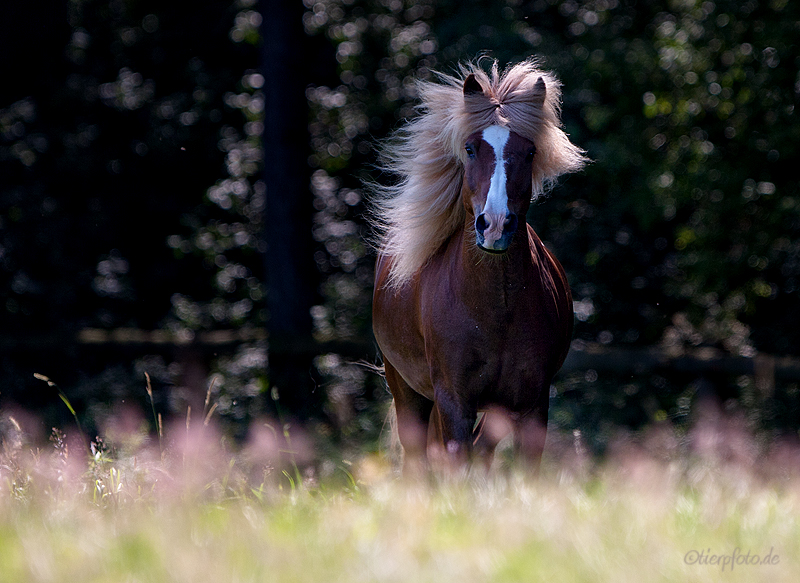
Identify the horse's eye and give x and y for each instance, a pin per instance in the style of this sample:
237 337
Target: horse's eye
529 157
470 150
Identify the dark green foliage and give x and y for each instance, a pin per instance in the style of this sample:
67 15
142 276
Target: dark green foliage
130 152
684 230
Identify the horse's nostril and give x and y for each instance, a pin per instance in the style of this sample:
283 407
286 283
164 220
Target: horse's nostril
510 224
480 223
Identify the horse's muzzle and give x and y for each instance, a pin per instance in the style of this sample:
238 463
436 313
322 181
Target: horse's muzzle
493 232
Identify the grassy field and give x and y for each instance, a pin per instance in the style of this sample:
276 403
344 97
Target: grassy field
196 510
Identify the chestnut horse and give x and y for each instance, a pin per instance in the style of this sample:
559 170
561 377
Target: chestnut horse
470 310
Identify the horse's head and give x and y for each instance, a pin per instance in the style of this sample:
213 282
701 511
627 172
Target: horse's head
498 181
497 185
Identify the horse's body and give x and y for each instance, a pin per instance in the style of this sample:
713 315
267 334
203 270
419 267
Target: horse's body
483 319
465 337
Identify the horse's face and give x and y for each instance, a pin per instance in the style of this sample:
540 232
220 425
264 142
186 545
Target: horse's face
497 185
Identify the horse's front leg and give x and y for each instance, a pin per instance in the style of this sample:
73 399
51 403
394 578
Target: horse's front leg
413 412
450 428
530 431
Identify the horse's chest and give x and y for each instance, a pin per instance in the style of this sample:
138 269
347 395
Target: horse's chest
492 349
486 321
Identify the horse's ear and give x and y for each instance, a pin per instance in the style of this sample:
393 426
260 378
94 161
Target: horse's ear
539 91
471 85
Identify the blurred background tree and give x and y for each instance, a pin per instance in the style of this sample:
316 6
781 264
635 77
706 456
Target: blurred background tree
132 192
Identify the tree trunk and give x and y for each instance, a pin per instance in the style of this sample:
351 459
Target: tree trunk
290 269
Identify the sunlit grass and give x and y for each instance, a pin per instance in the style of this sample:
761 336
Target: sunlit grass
204 512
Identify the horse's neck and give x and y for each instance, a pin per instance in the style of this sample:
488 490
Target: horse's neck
486 275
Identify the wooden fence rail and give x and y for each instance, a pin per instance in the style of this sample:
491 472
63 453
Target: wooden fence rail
582 356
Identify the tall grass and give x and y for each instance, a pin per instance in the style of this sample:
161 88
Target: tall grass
659 509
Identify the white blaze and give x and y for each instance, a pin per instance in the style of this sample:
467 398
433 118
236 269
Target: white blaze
497 199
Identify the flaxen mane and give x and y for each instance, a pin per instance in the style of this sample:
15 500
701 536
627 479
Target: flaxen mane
423 209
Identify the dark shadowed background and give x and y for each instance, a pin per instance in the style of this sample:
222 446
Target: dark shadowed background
181 194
